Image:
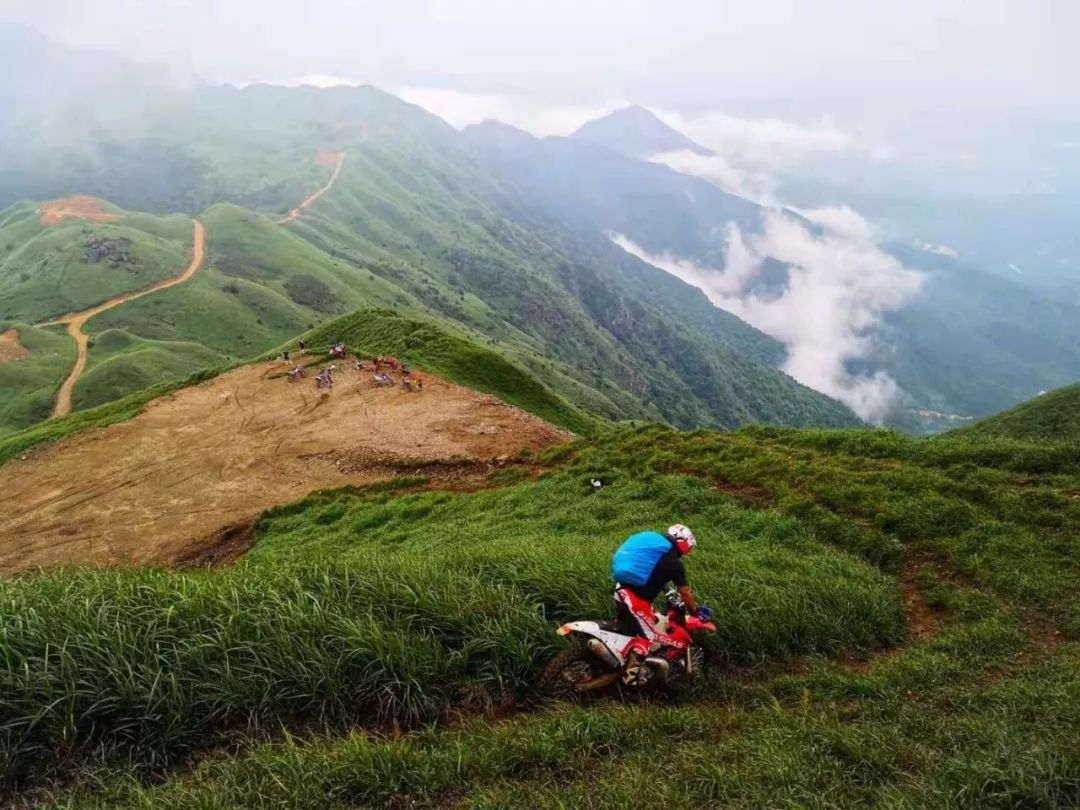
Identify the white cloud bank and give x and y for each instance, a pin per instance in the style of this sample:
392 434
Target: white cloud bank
320 80
937 250
748 152
840 285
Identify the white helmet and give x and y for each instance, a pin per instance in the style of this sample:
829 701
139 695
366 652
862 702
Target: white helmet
683 538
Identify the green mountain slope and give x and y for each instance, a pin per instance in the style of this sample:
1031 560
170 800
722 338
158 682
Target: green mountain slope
590 185
416 223
1053 416
28 385
975 343
51 270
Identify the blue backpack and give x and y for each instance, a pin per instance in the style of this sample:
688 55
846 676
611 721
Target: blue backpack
636 558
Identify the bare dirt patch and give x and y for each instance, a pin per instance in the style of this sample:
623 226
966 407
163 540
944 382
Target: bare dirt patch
328 157
160 488
11 347
751 493
90 209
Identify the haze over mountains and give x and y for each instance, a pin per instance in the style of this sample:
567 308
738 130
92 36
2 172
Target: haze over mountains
615 262
324 409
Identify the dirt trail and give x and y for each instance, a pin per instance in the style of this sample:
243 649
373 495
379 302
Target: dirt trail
320 159
77 320
199 465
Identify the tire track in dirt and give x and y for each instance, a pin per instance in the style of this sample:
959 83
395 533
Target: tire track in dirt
77 320
296 212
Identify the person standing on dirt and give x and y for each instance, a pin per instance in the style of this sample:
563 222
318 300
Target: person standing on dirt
303 346
642 567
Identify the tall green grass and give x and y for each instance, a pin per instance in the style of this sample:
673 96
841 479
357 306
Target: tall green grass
387 608
1053 416
151 666
961 741
384 609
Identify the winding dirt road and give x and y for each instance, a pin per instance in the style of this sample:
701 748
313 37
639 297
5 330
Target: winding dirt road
77 320
296 212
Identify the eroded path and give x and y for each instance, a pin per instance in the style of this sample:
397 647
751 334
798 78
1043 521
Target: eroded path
77 320
217 454
296 212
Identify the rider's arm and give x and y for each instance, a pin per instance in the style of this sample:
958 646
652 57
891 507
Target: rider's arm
678 577
688 597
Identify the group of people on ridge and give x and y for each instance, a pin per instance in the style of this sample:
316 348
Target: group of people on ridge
382 366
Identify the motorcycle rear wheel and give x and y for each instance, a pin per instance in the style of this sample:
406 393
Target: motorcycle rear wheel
567 671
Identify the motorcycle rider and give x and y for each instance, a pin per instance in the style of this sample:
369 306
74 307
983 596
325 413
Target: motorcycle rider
641 567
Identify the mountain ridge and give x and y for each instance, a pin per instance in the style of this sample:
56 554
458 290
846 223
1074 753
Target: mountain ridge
637 132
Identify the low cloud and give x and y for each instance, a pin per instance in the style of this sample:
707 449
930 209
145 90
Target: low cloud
839 286
459 109
321 80
729 173
763 142
748 153
938 250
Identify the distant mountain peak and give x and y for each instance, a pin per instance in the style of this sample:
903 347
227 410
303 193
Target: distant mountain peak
637 132
490 125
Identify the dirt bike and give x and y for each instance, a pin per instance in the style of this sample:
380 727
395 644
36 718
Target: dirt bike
296 373
382 381
338 351
603 654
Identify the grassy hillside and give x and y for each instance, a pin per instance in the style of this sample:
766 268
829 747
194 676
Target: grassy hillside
50 270
417 223
502 233
897 619
1054 416
28 385
121 363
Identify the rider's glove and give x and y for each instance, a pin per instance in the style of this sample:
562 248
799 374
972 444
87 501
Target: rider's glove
704 612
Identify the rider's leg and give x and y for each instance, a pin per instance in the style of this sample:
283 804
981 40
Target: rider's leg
635 613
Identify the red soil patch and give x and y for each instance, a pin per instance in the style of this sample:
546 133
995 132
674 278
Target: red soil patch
751 493
182 482
88 208
328 157
10 347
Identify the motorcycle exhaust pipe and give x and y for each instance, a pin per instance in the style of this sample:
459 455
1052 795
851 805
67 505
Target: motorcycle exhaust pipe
601 651
660 665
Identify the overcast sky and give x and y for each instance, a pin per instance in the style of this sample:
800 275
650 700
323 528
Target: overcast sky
817 54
